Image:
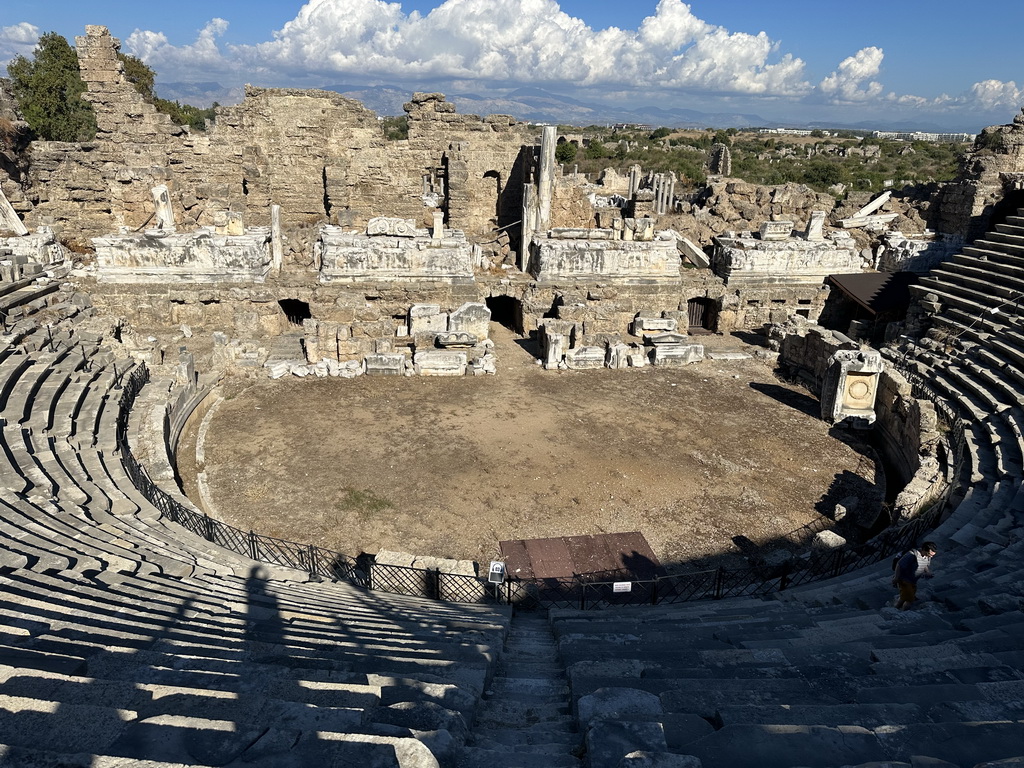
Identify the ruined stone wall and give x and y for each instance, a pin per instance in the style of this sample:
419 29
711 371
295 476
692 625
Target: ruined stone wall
805 349
994 168
89 189
320 156
374 311
484 159
732 204
296 149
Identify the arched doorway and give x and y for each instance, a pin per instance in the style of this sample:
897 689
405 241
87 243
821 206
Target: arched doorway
296 311
508 311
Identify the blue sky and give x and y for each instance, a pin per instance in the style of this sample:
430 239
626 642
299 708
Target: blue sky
939 63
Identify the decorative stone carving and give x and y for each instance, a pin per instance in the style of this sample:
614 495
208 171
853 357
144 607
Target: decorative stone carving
385 365
194 257
658 339
776 230
745 260
426 318
579 259
456 339
850 386
677 354
385 256
472 318
647 324
583 358
383 225
437 362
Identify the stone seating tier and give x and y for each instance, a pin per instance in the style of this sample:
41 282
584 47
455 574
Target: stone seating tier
125 637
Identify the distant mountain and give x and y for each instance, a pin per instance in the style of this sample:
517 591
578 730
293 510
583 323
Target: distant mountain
537 105
199 94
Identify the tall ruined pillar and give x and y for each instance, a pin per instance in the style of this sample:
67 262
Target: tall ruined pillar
634 180
537 198
546 177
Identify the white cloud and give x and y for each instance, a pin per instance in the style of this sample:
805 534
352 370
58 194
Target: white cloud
18 39
503 43
500 41
847 84
993 94
202 56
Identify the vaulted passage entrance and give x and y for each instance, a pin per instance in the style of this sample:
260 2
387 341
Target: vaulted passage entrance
508 311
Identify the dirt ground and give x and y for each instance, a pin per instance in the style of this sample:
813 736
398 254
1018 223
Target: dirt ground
692 457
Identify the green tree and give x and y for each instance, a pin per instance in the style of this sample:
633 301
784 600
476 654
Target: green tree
396 128
660 133
565 152
139 74
595 150
49 91
142 76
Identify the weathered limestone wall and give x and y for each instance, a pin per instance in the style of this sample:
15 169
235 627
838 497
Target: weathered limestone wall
373 310
484 160
907 429
320 156
805 350
294 148
993 169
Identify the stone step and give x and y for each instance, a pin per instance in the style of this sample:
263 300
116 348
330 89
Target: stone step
473 757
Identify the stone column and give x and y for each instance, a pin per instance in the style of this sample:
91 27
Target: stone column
546 177
438 231
164 211
276 244
9 218
634 180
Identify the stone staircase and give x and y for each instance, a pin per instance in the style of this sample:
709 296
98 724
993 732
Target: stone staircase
524 718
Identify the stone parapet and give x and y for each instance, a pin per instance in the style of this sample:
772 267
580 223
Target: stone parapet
194 257
557 259
746 260
411 254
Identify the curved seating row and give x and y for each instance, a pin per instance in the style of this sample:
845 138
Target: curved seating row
127 640
830 674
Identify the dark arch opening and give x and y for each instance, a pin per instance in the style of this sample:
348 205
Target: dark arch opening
508 311
497 192
1008 206
296 311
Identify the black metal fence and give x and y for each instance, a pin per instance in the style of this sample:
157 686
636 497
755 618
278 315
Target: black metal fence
577 592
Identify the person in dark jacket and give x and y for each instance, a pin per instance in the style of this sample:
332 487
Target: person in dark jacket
911 568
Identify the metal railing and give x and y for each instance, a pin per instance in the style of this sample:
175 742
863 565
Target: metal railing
576 592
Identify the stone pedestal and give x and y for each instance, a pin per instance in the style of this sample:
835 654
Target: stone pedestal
850 386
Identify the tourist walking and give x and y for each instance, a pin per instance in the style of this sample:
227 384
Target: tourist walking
911 568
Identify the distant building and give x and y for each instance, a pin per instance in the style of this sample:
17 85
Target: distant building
792 131
943 138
